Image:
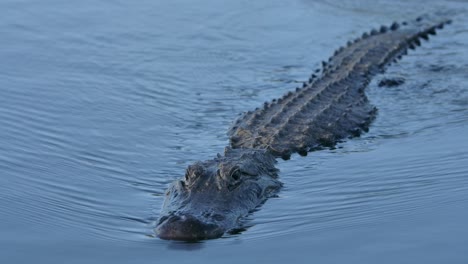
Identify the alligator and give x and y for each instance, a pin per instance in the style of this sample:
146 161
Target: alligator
215 195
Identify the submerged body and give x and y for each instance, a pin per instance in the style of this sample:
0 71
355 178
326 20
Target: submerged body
216 194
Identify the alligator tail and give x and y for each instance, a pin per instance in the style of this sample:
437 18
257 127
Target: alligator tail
332 104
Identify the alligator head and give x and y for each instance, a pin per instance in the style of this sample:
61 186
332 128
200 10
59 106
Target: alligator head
215 194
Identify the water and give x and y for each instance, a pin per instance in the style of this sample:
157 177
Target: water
103 104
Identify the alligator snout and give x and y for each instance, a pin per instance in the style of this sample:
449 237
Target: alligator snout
187 228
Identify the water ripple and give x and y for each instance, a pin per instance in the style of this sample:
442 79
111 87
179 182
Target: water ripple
98 114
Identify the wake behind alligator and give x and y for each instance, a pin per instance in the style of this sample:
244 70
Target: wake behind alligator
216 194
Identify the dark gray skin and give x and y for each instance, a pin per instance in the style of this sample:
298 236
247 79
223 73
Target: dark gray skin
330 107
216 194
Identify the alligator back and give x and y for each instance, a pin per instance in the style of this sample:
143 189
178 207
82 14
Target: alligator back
332 105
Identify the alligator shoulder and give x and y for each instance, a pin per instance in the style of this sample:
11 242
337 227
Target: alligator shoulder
332 105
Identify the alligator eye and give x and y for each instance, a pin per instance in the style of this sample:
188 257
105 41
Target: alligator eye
236 175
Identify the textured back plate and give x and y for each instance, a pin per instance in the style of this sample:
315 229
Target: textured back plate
332 105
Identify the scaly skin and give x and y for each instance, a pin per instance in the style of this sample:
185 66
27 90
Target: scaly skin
333 106
216 194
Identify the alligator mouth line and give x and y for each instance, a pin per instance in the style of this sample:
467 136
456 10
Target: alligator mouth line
330 107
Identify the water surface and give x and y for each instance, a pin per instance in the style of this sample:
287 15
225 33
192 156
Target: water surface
103 104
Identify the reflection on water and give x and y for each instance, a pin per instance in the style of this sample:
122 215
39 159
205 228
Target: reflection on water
103 104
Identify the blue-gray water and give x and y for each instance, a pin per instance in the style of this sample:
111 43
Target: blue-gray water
104 103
